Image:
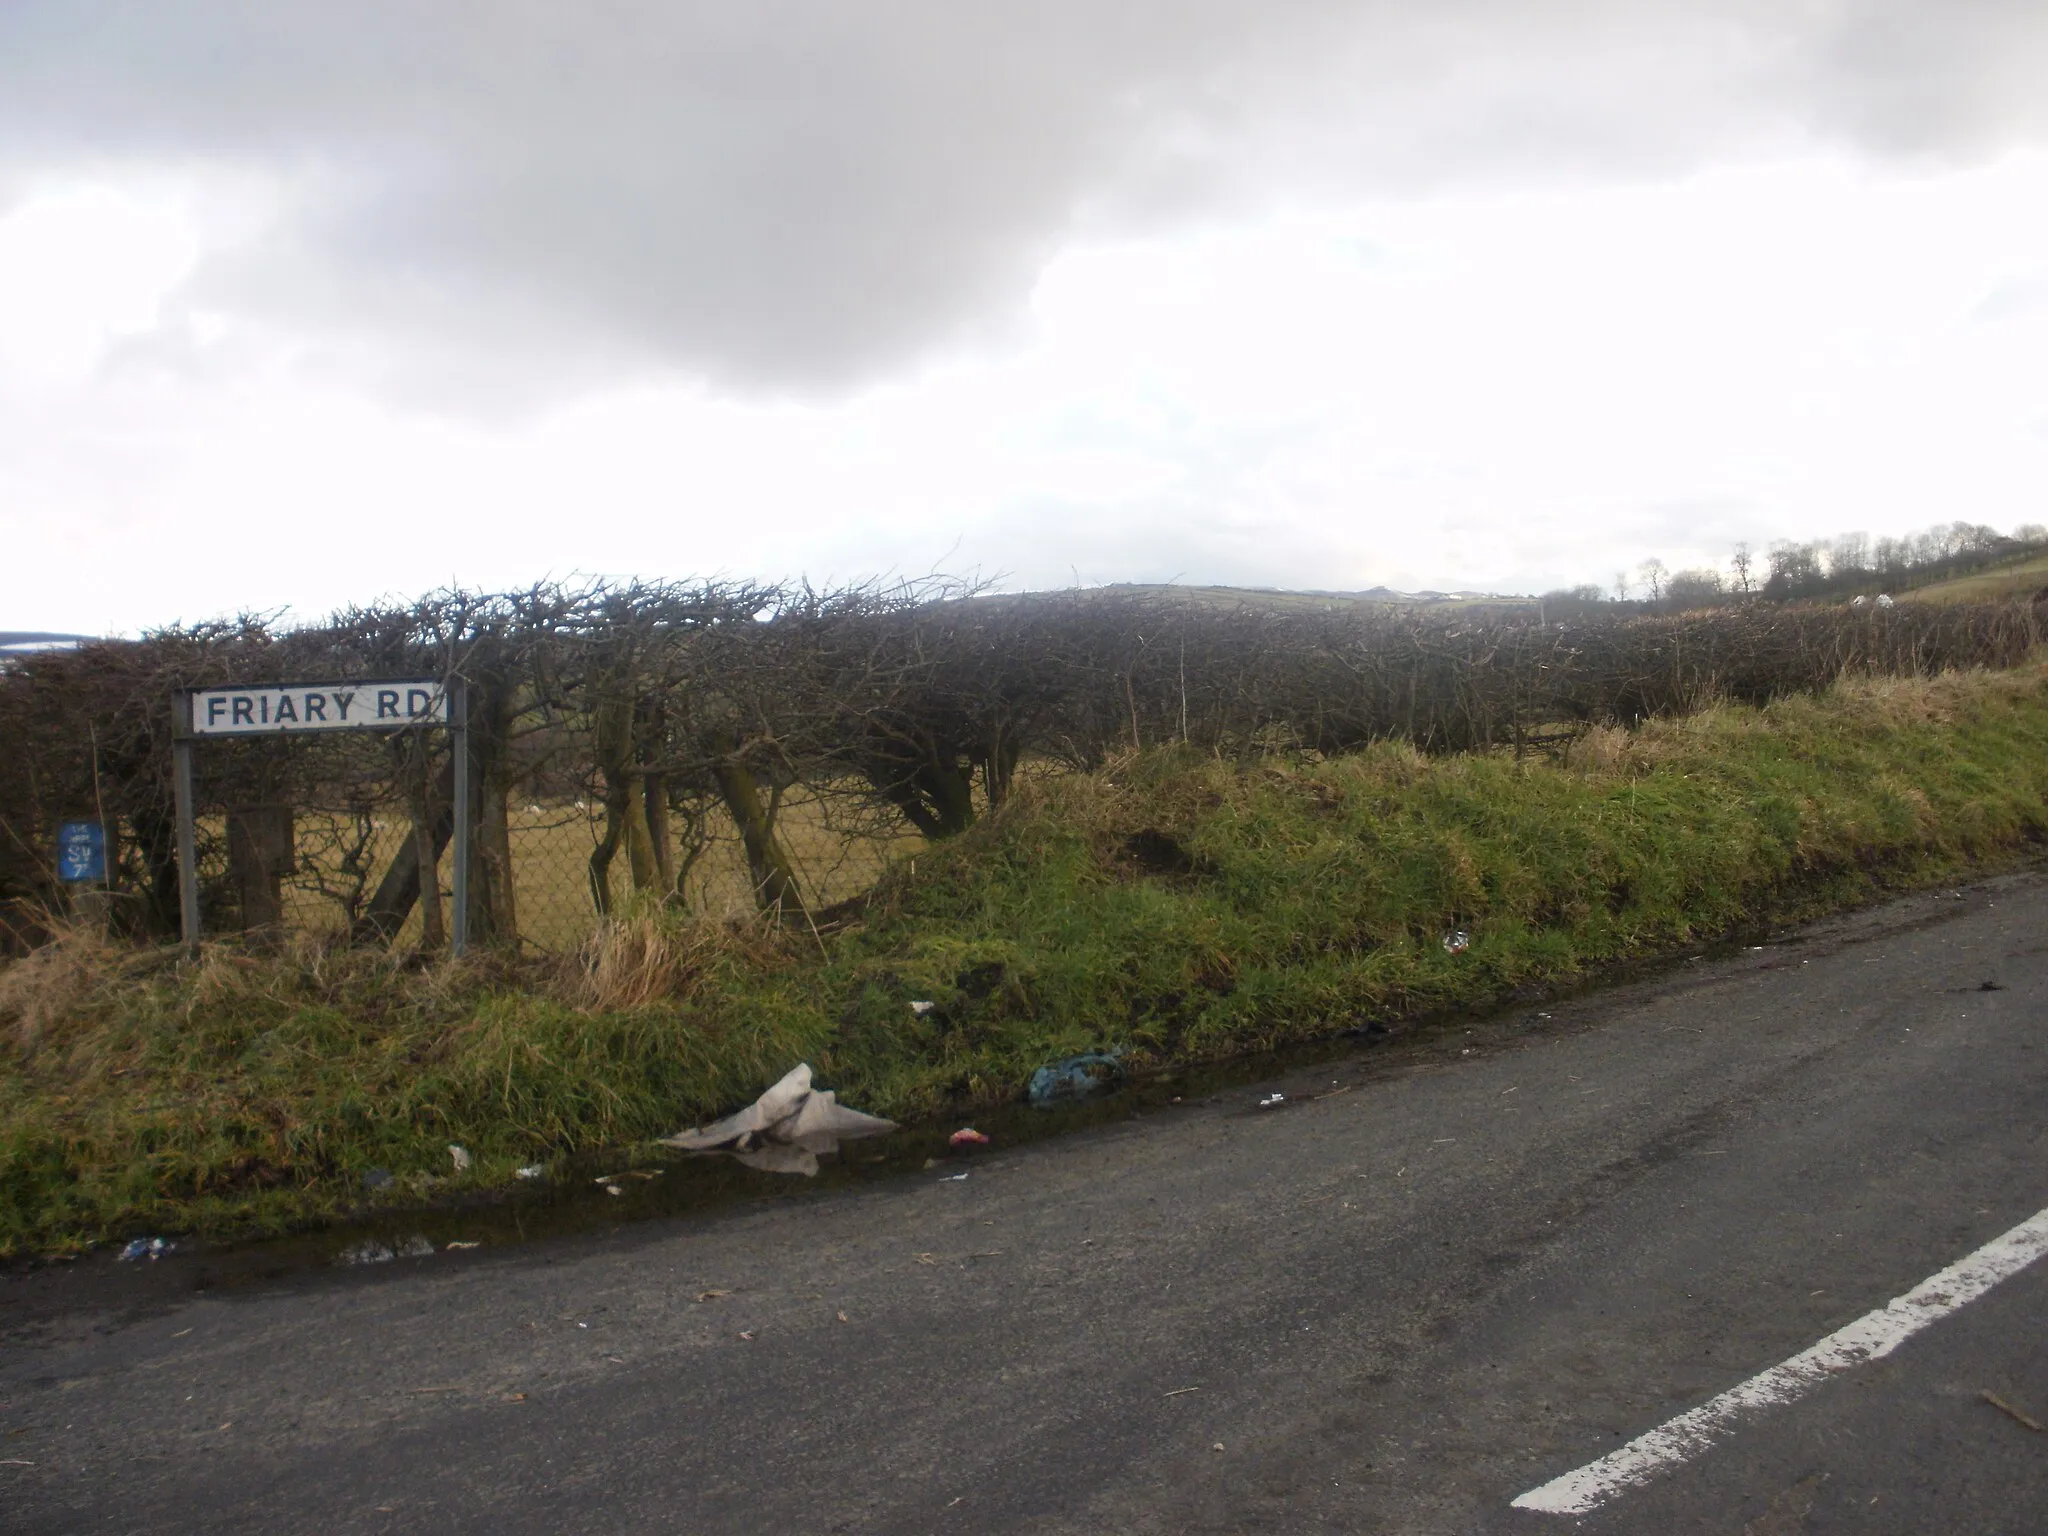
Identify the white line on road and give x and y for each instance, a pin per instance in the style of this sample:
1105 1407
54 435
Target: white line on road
1870 1337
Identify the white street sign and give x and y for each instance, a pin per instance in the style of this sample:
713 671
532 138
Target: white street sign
297 707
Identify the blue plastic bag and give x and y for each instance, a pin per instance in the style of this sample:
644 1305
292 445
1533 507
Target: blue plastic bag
1076 1077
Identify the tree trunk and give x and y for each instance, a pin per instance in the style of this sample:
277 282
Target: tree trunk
936 796
660 842
601 862
427 857
259 857
775 884
999 768
640 859
493 900
157 836
493 905
400 887
626 795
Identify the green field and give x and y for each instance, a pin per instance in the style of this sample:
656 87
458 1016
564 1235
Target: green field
2009 581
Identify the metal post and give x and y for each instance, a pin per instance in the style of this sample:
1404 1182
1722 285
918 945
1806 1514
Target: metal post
458 896
188 855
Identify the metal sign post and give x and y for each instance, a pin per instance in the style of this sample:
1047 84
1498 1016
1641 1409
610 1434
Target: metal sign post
458 895
188 856
293 709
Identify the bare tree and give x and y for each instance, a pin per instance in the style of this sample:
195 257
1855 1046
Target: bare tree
1652 571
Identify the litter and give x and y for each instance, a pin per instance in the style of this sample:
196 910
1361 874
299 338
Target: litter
1075 1077
370 1251
1272 1099
922 1006
460 1247
786 1129
953 1178
530 1171
1456 943
460 1157
150 1248
711 1295
2015 1414
967 1136
377 1178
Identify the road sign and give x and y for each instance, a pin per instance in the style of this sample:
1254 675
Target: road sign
289 709
81 853
292 708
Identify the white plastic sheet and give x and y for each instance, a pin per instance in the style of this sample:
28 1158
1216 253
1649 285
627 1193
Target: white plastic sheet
786 1129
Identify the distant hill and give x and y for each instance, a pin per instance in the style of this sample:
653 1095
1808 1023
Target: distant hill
1999 583
37 640
1282 598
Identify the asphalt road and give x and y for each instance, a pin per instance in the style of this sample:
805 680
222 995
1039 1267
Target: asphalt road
1470 1265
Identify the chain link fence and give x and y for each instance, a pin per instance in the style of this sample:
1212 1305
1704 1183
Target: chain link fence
726 749
320 865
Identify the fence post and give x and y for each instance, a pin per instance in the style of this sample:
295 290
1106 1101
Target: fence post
458 896
188 857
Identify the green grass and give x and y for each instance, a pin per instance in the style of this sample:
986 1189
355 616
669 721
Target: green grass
1999 584
1183 908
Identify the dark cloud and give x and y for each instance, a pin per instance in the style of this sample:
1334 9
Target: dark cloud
790 195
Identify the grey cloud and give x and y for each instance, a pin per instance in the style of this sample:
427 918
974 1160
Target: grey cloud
787 195
2010 298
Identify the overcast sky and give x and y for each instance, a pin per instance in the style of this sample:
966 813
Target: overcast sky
302 303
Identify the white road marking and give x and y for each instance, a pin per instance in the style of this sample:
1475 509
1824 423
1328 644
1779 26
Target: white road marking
1870 1337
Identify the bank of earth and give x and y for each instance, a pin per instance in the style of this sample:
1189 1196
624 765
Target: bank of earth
1175 907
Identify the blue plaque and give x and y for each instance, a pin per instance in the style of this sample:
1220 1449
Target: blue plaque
81 853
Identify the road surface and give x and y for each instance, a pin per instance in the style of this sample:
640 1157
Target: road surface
1441 1275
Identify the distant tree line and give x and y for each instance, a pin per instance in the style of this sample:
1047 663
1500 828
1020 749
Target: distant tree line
678 708
1847 565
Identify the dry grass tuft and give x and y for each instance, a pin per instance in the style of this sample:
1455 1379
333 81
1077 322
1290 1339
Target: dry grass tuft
650 955
1608 750
53 981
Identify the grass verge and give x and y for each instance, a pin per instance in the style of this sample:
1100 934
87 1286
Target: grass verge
1183 908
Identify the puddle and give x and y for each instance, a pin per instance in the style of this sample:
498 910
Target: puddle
655 1183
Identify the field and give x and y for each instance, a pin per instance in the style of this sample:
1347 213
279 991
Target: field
551 847
2010 581
1176 905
